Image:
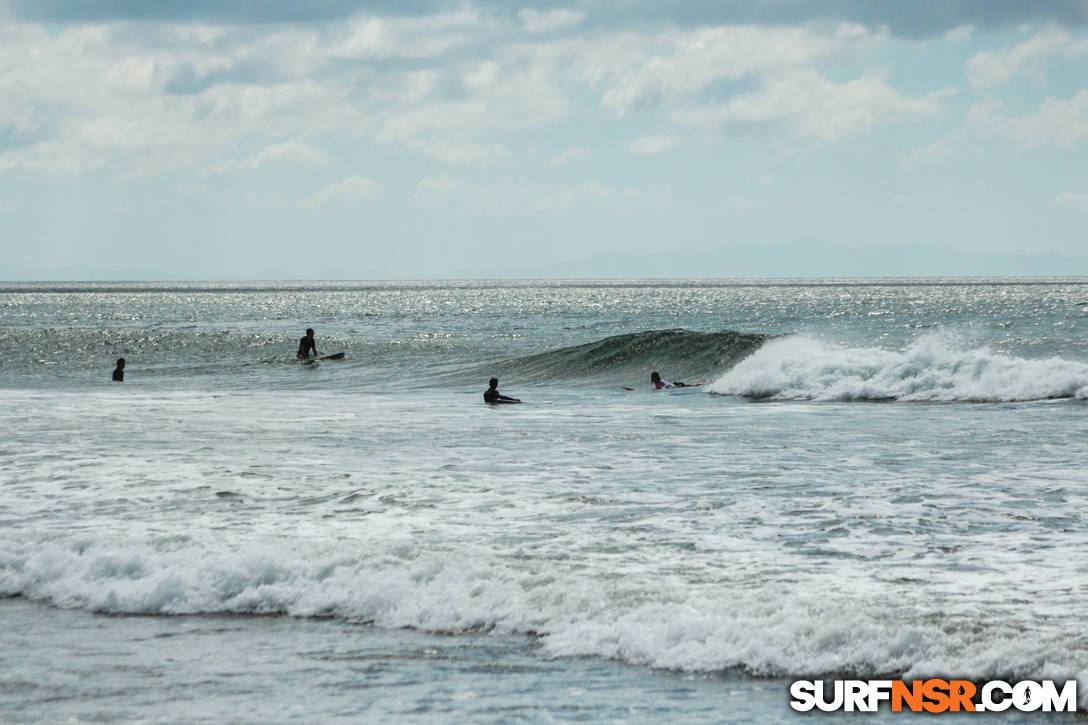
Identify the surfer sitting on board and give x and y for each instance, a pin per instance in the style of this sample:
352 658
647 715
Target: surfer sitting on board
492 394
655 378
306 344
119 371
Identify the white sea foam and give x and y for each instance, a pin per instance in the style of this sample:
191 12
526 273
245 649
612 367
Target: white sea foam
934 368
775 629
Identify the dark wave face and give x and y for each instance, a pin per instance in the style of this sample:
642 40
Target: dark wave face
677 354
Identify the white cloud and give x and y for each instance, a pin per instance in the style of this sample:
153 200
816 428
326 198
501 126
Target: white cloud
135 73
202 191
467 153
290 153
683 64
588 191
143 99
986 69
649 145
570 156
418 38
351 189
508 94
93 98
484 75
1058 122
960 34
814 108
544 22
944 148
1070 199
521 195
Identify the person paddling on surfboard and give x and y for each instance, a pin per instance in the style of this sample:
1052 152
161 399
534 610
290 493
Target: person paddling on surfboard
307 344
492 394
660 384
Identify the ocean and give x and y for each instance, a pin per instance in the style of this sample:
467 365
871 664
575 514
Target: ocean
882 478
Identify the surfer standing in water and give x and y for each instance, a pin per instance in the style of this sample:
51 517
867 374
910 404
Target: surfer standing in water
306 345
492 394
119 371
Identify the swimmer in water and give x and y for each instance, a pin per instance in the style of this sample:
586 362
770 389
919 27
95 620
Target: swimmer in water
119 371
492 394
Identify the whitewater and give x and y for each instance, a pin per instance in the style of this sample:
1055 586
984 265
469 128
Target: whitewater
877 478
933 368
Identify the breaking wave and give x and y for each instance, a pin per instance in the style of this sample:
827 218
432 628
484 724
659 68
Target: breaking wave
672 623
933 368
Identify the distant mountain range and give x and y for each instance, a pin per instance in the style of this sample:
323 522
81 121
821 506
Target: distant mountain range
800 258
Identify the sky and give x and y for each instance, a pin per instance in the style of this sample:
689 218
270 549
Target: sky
228 138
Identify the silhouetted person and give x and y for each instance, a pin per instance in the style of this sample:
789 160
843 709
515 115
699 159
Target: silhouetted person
119 371
492 394
307 344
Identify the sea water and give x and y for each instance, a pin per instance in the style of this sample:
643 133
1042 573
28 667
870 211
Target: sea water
879 479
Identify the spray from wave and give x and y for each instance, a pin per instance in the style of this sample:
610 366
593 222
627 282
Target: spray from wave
933 368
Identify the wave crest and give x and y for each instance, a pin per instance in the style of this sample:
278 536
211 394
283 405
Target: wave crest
933 368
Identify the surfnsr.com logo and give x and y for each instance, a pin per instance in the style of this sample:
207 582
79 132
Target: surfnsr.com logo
934 695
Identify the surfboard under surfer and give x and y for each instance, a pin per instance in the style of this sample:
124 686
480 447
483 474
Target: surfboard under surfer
660 384
492 394
306 345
